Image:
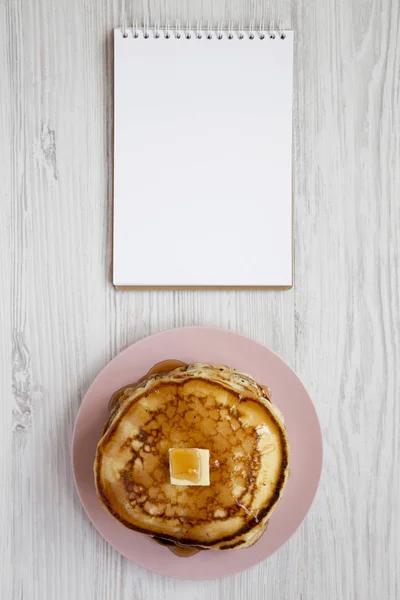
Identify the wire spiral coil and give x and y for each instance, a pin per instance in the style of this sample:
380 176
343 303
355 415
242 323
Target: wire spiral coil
199 32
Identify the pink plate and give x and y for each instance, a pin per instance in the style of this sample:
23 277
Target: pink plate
210 345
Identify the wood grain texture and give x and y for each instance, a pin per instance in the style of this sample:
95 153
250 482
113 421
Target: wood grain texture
61 320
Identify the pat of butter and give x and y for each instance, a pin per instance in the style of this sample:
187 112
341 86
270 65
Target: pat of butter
189 466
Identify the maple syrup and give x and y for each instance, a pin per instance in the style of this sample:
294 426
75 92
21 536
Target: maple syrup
163 367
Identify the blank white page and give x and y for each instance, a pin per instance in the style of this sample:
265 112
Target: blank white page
203 161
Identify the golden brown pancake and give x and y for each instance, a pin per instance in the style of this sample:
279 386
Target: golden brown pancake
193 406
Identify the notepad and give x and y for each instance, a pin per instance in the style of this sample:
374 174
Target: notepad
202 159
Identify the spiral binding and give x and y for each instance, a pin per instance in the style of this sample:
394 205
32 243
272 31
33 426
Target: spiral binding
199 32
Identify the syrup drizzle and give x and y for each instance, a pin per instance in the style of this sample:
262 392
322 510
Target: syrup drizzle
164 367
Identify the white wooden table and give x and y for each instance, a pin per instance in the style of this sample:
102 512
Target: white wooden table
61 320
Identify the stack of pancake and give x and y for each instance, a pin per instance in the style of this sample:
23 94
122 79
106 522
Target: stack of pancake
193 406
